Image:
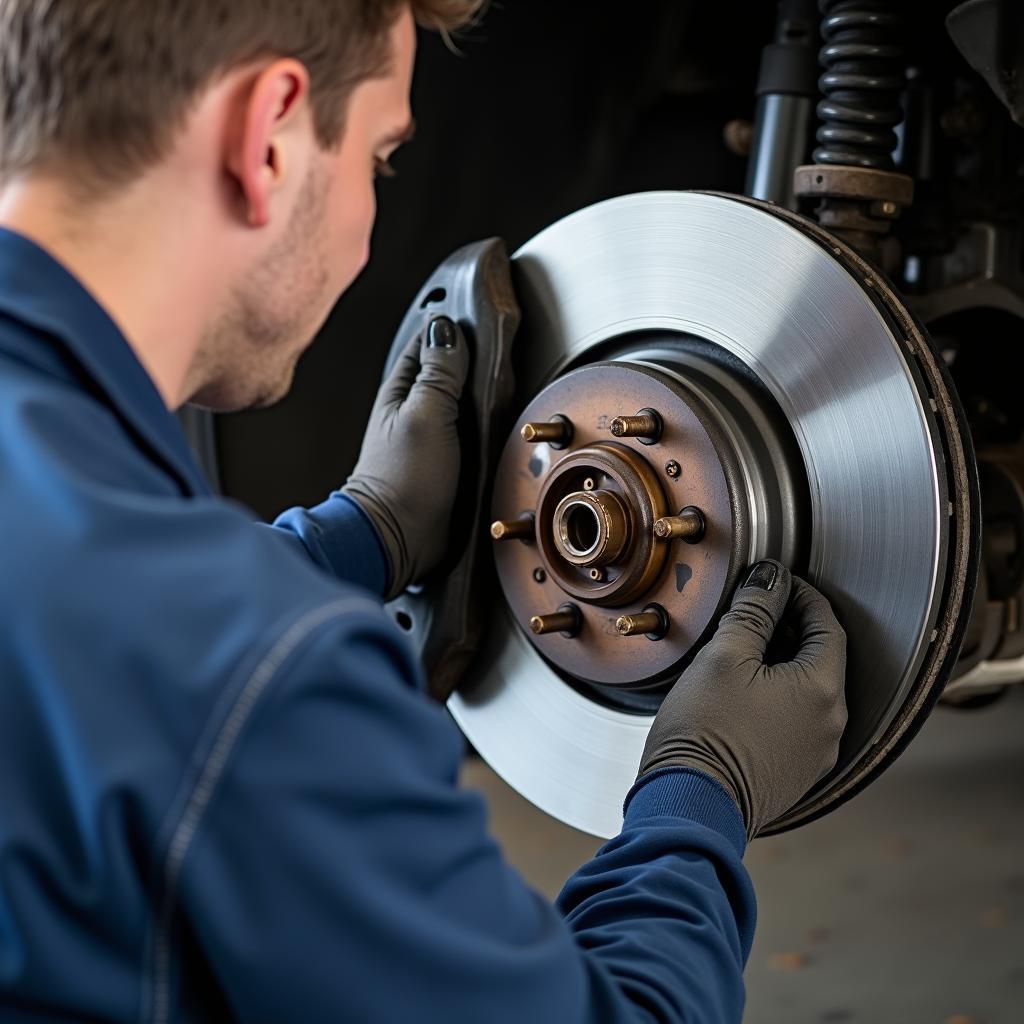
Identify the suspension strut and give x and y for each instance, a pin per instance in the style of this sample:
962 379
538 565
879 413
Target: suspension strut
853 177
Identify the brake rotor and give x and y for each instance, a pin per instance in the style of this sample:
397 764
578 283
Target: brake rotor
708 381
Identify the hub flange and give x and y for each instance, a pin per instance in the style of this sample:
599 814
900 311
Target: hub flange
596 503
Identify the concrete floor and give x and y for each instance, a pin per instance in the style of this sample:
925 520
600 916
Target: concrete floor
906 906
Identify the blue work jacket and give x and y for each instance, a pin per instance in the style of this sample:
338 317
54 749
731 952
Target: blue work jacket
223 792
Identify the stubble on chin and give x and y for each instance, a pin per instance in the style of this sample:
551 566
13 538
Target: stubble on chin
247 360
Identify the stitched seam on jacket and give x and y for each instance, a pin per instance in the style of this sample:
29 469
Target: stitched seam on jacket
158 996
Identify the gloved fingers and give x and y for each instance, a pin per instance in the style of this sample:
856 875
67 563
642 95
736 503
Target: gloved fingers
757 607
444 365
400 380
821 639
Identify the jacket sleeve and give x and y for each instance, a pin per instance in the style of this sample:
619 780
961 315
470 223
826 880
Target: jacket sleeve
336 872
339 537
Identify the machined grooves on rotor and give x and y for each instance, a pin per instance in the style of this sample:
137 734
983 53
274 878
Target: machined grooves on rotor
961 577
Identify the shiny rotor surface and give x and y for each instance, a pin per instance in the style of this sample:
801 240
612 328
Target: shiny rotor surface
757 286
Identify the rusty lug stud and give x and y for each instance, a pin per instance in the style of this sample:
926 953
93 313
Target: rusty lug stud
567 621
652 622
513 529
646 426
557 432
689 525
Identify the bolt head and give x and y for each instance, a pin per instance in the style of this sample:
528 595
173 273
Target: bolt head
674 470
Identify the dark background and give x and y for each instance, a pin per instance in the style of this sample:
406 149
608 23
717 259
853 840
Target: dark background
548 107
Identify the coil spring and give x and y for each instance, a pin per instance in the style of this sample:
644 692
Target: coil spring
864 75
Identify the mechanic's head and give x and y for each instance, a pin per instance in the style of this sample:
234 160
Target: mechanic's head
255 127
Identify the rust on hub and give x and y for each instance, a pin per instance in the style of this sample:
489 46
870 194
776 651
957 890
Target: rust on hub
556 432
595 504
566 621
591 527
645 425
611 527
652 622
688 526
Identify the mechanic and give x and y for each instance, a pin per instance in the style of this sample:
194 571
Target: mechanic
223 792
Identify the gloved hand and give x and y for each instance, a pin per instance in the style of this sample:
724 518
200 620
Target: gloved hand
408 469
766 732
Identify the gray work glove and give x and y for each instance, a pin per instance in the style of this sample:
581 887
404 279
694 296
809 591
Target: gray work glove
408 468
766 732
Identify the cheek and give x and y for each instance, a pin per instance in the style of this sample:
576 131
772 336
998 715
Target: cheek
353 214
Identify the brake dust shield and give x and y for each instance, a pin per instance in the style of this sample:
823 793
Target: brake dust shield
783 403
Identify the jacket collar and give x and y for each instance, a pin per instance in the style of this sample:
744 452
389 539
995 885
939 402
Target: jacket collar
41 293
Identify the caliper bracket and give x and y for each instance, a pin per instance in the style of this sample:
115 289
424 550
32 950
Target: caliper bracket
446 614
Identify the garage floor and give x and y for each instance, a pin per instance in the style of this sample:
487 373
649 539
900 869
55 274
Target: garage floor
906 906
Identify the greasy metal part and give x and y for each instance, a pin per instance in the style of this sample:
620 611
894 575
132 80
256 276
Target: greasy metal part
446 615
853 172
872 186
591 527
557 432
859 204
567 621
645 426
596 505
513 529
774 297
652 622
688 526
623 513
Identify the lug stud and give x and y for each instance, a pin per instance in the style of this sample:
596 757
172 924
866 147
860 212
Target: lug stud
646 426
557 432
652 622
689 525
513 529
567 621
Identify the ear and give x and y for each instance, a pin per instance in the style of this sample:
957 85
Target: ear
256 156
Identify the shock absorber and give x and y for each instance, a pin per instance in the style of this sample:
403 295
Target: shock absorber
787 88
853 177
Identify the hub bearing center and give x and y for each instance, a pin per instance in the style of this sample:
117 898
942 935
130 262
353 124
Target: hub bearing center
591 528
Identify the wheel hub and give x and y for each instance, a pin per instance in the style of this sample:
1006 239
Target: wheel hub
595 501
